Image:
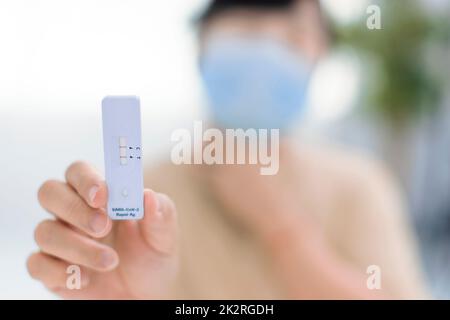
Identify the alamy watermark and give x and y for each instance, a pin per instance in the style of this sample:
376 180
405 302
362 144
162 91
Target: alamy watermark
374 280
373 21
228 146
73 281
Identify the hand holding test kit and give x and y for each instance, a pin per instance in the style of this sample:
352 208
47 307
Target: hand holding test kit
123 157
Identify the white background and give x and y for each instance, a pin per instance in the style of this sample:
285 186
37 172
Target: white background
57 60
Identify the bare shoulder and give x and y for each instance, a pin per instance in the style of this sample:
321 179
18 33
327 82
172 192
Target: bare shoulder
348 171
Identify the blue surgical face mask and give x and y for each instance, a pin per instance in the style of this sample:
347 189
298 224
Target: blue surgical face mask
254 83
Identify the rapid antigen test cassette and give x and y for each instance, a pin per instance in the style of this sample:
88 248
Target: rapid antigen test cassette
123 156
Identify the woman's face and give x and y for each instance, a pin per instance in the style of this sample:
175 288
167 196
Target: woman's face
256 65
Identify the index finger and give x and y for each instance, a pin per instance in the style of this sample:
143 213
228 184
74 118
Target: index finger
88 183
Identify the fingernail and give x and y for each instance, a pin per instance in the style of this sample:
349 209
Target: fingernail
93 193
98 222
158 204
108 259
158 212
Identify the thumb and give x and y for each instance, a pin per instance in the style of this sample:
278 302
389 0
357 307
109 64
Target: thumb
159 225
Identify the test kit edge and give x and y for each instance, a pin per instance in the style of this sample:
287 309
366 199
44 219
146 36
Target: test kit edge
121 119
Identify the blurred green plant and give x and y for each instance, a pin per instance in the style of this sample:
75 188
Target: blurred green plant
400 82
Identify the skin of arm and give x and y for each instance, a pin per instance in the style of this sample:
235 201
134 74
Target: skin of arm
310 269
367 222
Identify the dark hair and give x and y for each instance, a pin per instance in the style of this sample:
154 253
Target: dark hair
219 6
